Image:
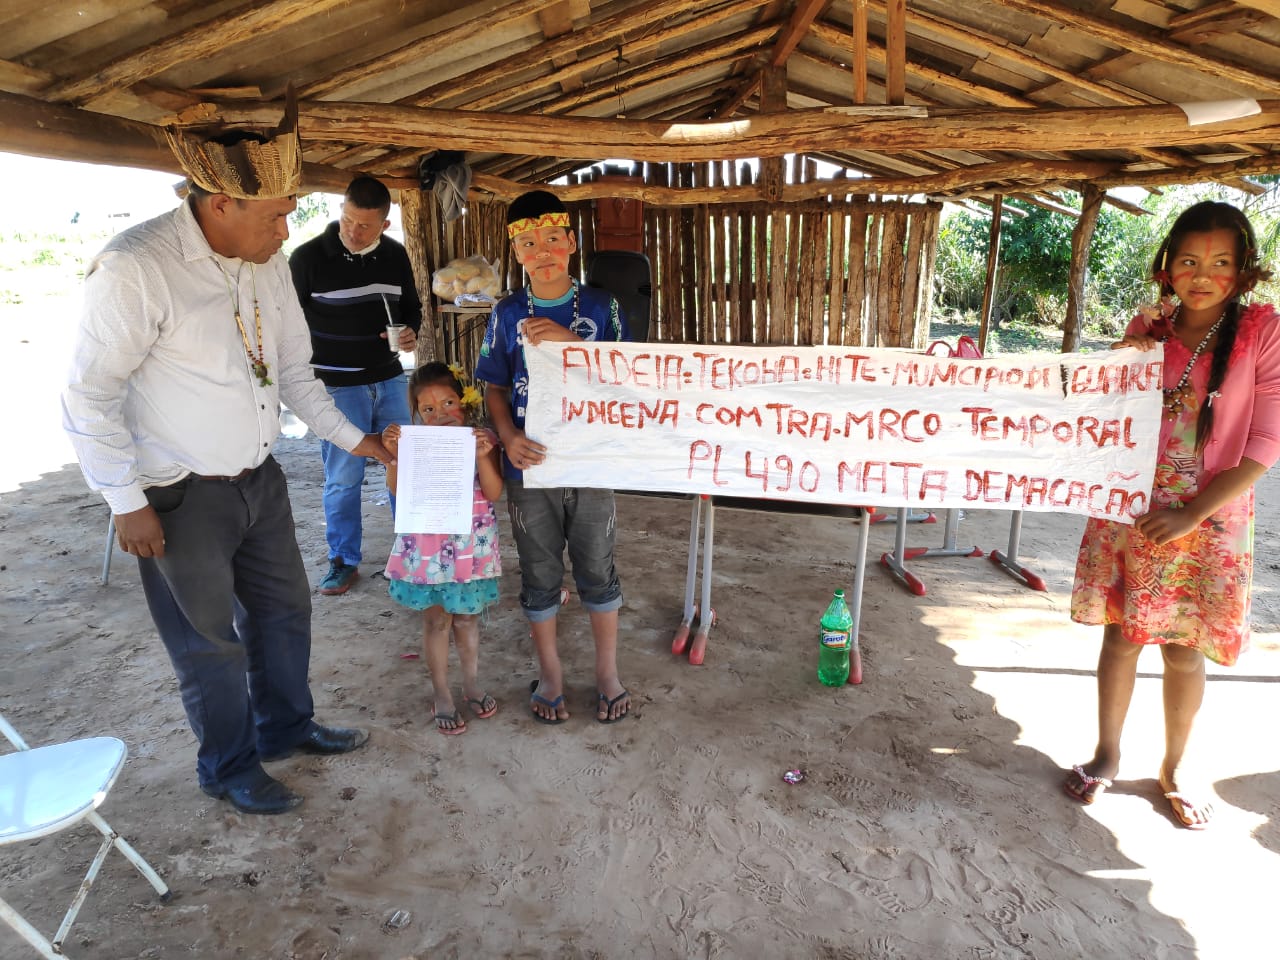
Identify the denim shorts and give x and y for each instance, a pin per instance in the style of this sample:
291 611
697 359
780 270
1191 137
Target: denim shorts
546 520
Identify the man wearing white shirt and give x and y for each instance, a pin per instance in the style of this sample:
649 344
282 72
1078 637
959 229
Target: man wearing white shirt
191 336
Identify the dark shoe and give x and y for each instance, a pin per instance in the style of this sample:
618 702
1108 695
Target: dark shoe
323 740
265 795
339 578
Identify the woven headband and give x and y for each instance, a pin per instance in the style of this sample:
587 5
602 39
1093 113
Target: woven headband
536 223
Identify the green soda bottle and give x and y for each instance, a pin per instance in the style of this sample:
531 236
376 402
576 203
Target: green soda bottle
837 640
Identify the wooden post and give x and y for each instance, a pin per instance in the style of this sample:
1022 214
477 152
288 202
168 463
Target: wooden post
773 99
993 265
859 51
895 56
1081 237
417 244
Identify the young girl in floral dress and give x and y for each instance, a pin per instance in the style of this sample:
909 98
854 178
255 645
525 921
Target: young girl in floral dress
1180 577
452 578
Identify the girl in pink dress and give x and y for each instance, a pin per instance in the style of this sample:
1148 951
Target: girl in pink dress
1180 576
451 578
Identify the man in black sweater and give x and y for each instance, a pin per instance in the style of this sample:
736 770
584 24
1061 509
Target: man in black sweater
353 282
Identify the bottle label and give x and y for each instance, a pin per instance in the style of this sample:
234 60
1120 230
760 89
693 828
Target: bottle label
835 639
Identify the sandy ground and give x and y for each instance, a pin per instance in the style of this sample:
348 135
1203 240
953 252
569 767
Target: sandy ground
930 824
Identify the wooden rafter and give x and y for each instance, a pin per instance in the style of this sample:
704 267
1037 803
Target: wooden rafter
406 55
895 42
1269 7
791 35
557 21
194 43
467 89
1149 43
858 37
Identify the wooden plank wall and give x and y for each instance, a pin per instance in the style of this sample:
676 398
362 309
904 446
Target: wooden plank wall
841 271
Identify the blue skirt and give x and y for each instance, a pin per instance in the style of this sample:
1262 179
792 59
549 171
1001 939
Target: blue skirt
464 598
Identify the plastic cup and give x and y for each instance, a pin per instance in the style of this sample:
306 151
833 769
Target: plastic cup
393 336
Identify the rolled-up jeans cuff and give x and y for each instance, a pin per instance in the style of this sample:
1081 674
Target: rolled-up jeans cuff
541 616
608 606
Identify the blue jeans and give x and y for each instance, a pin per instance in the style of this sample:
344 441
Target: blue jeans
371 407
231 602
544 522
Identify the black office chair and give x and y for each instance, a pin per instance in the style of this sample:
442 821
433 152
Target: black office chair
625 274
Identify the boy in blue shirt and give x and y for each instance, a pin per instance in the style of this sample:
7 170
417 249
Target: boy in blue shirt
554 307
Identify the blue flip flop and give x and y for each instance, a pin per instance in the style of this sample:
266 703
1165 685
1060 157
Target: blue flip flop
608 706
551 704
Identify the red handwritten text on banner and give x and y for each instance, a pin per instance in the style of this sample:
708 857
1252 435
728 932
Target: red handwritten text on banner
1066 432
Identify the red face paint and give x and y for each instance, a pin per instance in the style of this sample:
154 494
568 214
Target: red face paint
1204 272
544 253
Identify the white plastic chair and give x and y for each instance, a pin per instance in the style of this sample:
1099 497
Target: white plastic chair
49 789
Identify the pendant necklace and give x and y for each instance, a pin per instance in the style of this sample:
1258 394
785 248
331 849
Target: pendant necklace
1173 399
261 369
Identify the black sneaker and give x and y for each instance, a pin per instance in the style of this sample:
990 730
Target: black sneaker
339 578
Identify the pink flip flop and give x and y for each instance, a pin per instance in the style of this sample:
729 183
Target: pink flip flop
1092 786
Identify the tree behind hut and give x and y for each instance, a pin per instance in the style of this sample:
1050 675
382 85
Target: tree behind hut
1035 254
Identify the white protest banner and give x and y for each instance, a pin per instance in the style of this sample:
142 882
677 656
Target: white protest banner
870 427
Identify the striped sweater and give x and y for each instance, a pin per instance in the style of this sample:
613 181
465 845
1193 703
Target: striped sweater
347 298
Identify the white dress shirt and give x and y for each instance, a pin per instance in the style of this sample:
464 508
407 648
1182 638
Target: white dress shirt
160 384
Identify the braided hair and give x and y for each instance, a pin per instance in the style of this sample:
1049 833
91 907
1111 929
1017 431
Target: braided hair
1203 217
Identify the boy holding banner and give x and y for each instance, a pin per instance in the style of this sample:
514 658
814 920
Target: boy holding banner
544 521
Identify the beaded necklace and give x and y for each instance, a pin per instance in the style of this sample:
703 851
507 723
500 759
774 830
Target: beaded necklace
528 292
1173 399
261 369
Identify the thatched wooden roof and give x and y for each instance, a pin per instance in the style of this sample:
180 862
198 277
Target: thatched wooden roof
935 97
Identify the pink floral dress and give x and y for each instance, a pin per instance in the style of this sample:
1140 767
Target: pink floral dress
1194 591
456 571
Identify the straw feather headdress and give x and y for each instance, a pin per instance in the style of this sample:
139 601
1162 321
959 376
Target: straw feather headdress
246 168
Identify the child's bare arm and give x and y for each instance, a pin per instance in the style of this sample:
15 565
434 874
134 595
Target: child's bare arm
391 440
488 466
1164 526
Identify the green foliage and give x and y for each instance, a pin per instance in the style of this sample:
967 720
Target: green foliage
310 206
1035 258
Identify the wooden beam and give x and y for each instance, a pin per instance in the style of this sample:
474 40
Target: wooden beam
193 44
977 91
895 42
1006 50
659 70
1207 172
1269 7
35 128
962 178
467 87
765 135
487 20
859 37
794 31
19 78
1148 43
38 129
557 21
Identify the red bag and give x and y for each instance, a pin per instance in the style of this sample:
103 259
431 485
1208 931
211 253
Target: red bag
965 347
